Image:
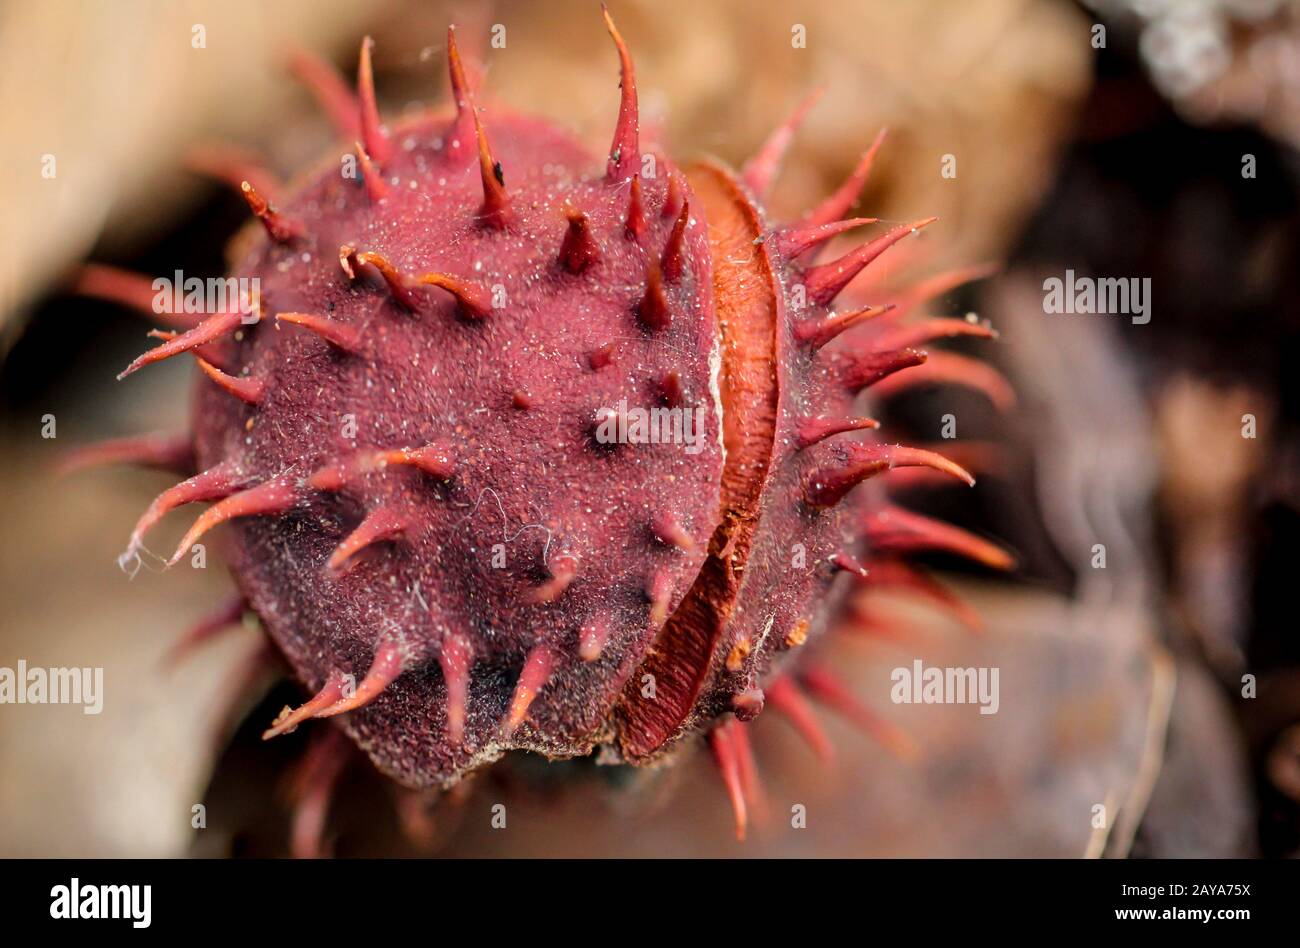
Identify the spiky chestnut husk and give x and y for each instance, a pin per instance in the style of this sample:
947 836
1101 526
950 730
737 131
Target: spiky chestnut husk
405 440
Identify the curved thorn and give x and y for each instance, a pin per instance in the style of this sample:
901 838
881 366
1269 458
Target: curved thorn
379 525
797 240
215 483
246 389
211 329
847 563
978 457
827 688
722 744
838 204
906 479
474 302
827 486
432 459
455 660
348 260
340 335
133 290
313 786
230 613
399 284
671 388
811 430
760 171
592 637
867 623
212 351
818 332
602 356
378 145
536 673
659 590
459 87
624 150
330 478
653 309
789 701
859 370
289 718
824 282
328 87
278 227
675 194
669 530
948 368
162 450
232 166
273 497
918 334
376 188
496 203
674 256
563 570
941 284
894 530
384 670
902 456
579 249
750 783
895 575
634 225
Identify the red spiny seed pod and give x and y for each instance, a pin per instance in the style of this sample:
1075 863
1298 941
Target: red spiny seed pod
523 449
